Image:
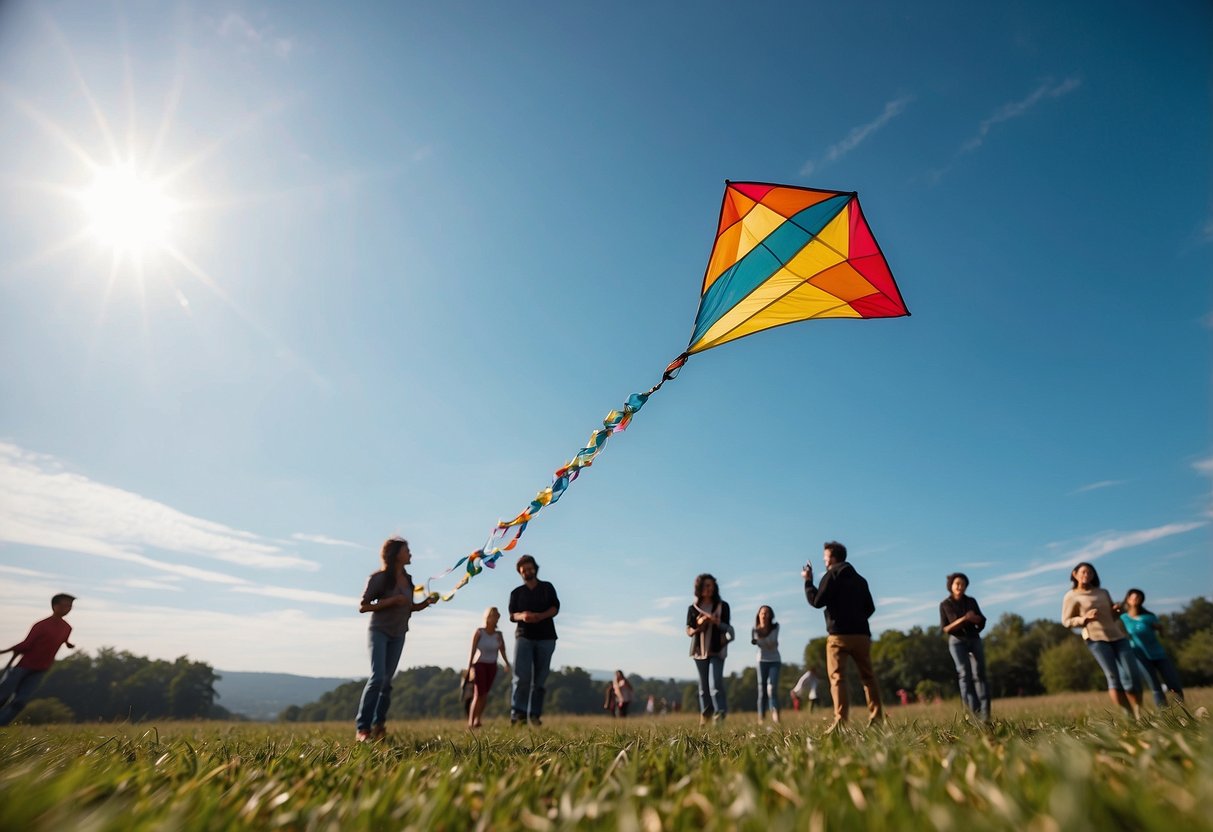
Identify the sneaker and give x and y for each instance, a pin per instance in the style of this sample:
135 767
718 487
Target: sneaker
536 721
378 733
362 736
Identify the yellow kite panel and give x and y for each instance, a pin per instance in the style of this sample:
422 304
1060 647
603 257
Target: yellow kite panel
782 298
754 228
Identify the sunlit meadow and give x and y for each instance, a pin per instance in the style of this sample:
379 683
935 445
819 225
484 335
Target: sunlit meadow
1057 763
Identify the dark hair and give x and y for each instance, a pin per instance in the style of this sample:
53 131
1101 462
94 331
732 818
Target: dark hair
391 552
758 615
699 581
62 596
956 575
1074 571
526 559
1125 603
836 549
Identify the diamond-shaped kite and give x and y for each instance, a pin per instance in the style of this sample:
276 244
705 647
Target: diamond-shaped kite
782 254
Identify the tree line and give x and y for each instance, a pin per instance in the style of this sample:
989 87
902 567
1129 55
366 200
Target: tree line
1023 659
117 685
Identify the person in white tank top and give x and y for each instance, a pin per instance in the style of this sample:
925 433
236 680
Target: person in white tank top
487 644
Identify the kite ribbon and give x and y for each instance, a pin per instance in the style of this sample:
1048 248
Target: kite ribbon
508 532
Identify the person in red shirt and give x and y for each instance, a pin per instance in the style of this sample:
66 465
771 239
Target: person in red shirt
37 654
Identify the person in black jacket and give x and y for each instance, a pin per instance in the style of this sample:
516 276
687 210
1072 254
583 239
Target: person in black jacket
848 605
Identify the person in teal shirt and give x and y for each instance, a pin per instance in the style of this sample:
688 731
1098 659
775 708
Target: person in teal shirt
1142 626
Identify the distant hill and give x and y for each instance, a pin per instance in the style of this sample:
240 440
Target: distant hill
262 696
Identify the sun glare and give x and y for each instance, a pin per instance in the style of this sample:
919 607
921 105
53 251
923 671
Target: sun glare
127 212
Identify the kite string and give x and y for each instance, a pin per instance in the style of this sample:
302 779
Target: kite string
488 554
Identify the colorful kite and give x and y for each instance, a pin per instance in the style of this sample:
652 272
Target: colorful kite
782 254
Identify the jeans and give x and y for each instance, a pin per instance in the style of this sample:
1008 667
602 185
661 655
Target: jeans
19 684
711 686
377 695
970 659
1118 663
768 687
532 662
1159 672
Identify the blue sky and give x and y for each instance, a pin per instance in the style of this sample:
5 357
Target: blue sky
416 252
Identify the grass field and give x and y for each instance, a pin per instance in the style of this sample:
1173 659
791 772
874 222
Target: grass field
1055 763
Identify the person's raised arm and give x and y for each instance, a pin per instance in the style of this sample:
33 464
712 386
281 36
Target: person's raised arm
818 596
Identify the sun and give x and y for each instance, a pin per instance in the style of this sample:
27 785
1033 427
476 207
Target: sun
128 212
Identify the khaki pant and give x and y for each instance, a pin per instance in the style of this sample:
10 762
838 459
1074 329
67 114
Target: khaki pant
859 648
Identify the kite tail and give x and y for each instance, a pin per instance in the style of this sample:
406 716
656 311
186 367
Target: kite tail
506 534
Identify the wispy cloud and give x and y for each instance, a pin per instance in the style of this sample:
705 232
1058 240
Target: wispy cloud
1022 598
237 28
907 612
25 573
310 595
664 602
857 135
44 504
1017 109
1205 468
1046 90
143 583
275 638
601 635
325 540
1095 486
1102 545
